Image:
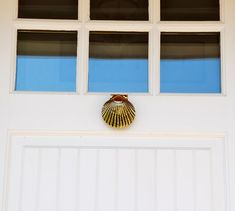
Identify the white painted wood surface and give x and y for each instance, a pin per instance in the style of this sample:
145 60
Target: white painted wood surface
116 174
79 113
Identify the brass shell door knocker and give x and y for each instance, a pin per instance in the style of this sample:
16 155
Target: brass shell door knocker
118 112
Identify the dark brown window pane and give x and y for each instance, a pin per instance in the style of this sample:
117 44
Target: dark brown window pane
190 10
48 9
185 45
119 9
47 43
118 44
118 62
190 62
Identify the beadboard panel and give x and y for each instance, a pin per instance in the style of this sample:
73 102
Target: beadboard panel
115 174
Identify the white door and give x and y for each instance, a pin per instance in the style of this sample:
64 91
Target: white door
56 153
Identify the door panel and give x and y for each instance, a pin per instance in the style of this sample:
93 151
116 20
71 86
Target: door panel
108 173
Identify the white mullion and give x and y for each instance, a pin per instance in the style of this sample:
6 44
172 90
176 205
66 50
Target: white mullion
87 9
137 26
151 11
13 57
152 61
157 47
157 60
36 24
16 6
169 26
222 10
78 65
84 11
83 60
157 10
80 4
222 59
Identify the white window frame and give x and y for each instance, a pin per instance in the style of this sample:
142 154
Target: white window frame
154 27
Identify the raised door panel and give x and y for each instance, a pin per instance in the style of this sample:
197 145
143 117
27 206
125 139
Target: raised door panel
98 174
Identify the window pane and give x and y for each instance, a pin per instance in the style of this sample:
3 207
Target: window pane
190 63
118 62
46 61
185 10
48 9
119 10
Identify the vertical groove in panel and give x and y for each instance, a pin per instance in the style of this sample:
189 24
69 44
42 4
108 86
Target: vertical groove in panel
184 180
203 181
88 171
78 180
67 179
218 178
155 180
58 180
126 180
116 178
211 180
194 180
166 180
145 180
48 179
29 179
136 180
106 180
38 178
175 180
97 180
21 178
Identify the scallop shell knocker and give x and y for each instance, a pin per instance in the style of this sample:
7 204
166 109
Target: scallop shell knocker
118 112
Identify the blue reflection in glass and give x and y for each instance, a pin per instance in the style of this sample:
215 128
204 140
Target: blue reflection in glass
118 75
46 73
190 75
